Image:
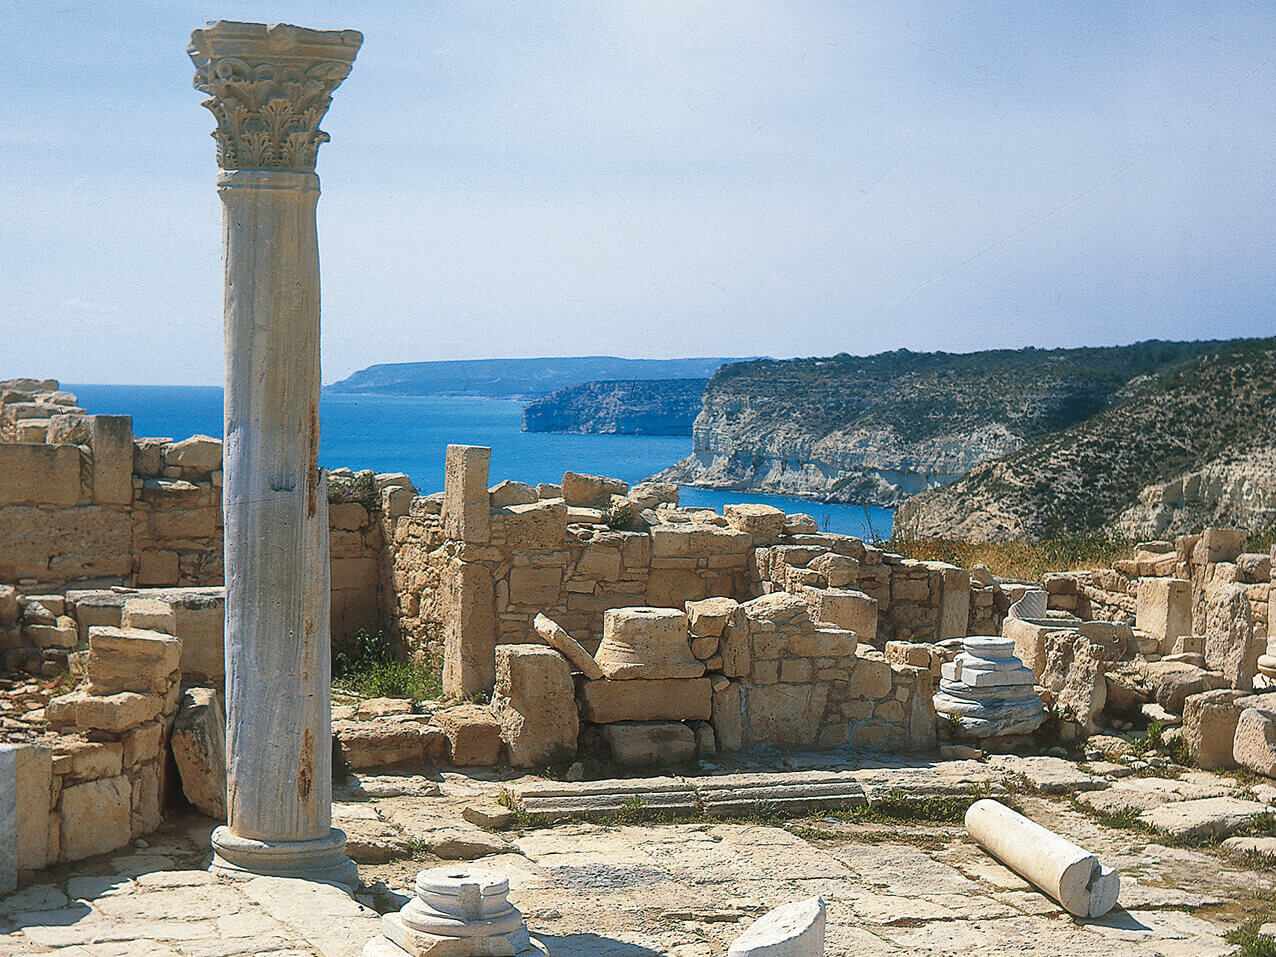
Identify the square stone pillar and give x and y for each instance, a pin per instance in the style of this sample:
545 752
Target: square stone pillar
1164 609
466 512
269 87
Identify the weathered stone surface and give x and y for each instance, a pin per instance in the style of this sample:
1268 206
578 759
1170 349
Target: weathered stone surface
1174 685
1075 671
728 714
1254 744
708 618
591 491
1230 645
764 521
473 732
131 659
115 713
511 493
1164 609
95 817
555 637
466 510
199 749
668 699
784 715
469 654
1207 817
1209 727
647 643
379 743
33 779
201 453
535 703
650 742
199 619
845 608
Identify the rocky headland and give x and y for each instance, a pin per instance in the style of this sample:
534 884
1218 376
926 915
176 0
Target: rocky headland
1191 447
629 407
877 429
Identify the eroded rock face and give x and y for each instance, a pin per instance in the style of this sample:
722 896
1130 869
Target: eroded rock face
535 703
1209 727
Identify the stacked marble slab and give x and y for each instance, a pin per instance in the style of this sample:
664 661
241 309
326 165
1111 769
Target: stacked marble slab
989 690
456 912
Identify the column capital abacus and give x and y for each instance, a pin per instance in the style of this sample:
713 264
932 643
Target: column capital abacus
270 87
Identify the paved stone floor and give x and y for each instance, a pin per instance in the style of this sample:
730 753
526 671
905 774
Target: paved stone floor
663 889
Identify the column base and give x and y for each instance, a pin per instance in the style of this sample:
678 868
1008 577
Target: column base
323 860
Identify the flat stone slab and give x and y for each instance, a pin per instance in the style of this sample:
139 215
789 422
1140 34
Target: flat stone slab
1207 817
1142 794
1265 846
1047 774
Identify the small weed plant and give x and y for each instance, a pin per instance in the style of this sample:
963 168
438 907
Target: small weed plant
368 668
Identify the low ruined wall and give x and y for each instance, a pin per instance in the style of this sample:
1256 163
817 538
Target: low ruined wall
85 504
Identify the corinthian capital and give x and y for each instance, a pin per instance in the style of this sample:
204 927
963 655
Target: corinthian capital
269 87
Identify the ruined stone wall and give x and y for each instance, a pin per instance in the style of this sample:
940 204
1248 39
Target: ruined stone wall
83 503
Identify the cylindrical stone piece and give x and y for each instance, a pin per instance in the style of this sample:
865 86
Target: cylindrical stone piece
646 643
794 930
1068 873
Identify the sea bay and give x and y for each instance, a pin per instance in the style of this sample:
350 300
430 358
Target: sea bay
397 433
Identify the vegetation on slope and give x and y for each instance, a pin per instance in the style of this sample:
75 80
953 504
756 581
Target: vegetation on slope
1214 409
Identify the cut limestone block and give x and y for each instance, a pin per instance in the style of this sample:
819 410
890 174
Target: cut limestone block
1069 874
591 491
1164 609
466 504
535 703
794 930
1254 744
764 521
645 743
708 618
1215 817
199 749
152 614
553 635
95 817
1209 728
668 699
473 732
380 742
646 643
131 659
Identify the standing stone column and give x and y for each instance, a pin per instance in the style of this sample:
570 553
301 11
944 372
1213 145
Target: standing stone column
269 88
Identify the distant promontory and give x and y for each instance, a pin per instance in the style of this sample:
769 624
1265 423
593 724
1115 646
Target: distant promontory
516 378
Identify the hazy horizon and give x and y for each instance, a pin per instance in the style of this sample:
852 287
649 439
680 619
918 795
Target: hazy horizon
548 180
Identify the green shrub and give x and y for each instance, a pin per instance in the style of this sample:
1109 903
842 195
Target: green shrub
369 668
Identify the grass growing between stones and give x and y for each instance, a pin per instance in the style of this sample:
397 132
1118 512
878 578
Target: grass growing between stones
369 669
1128 819
1020 560
1251 942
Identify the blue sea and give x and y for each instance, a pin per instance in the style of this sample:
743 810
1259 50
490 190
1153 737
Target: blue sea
396 433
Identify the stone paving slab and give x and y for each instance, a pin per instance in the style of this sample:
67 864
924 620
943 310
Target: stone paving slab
1143 794
1215 817
1048 774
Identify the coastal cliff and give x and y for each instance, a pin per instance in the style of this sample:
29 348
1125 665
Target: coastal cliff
1193 446
877 429
627 407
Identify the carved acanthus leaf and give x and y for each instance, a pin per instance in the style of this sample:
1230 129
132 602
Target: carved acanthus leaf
269 98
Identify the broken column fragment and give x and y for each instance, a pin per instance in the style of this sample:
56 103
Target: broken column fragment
1068 873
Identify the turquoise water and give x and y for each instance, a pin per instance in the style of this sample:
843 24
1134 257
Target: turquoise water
395 433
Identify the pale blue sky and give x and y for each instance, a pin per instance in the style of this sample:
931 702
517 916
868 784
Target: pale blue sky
659 179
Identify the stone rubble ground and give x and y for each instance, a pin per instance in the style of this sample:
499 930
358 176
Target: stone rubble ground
684 889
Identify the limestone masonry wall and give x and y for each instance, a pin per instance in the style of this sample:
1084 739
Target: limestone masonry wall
85 504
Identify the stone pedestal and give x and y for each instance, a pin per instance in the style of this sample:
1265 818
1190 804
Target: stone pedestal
989 691
269 88
460 912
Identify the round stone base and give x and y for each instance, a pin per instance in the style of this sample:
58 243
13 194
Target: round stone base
322 860
381 946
